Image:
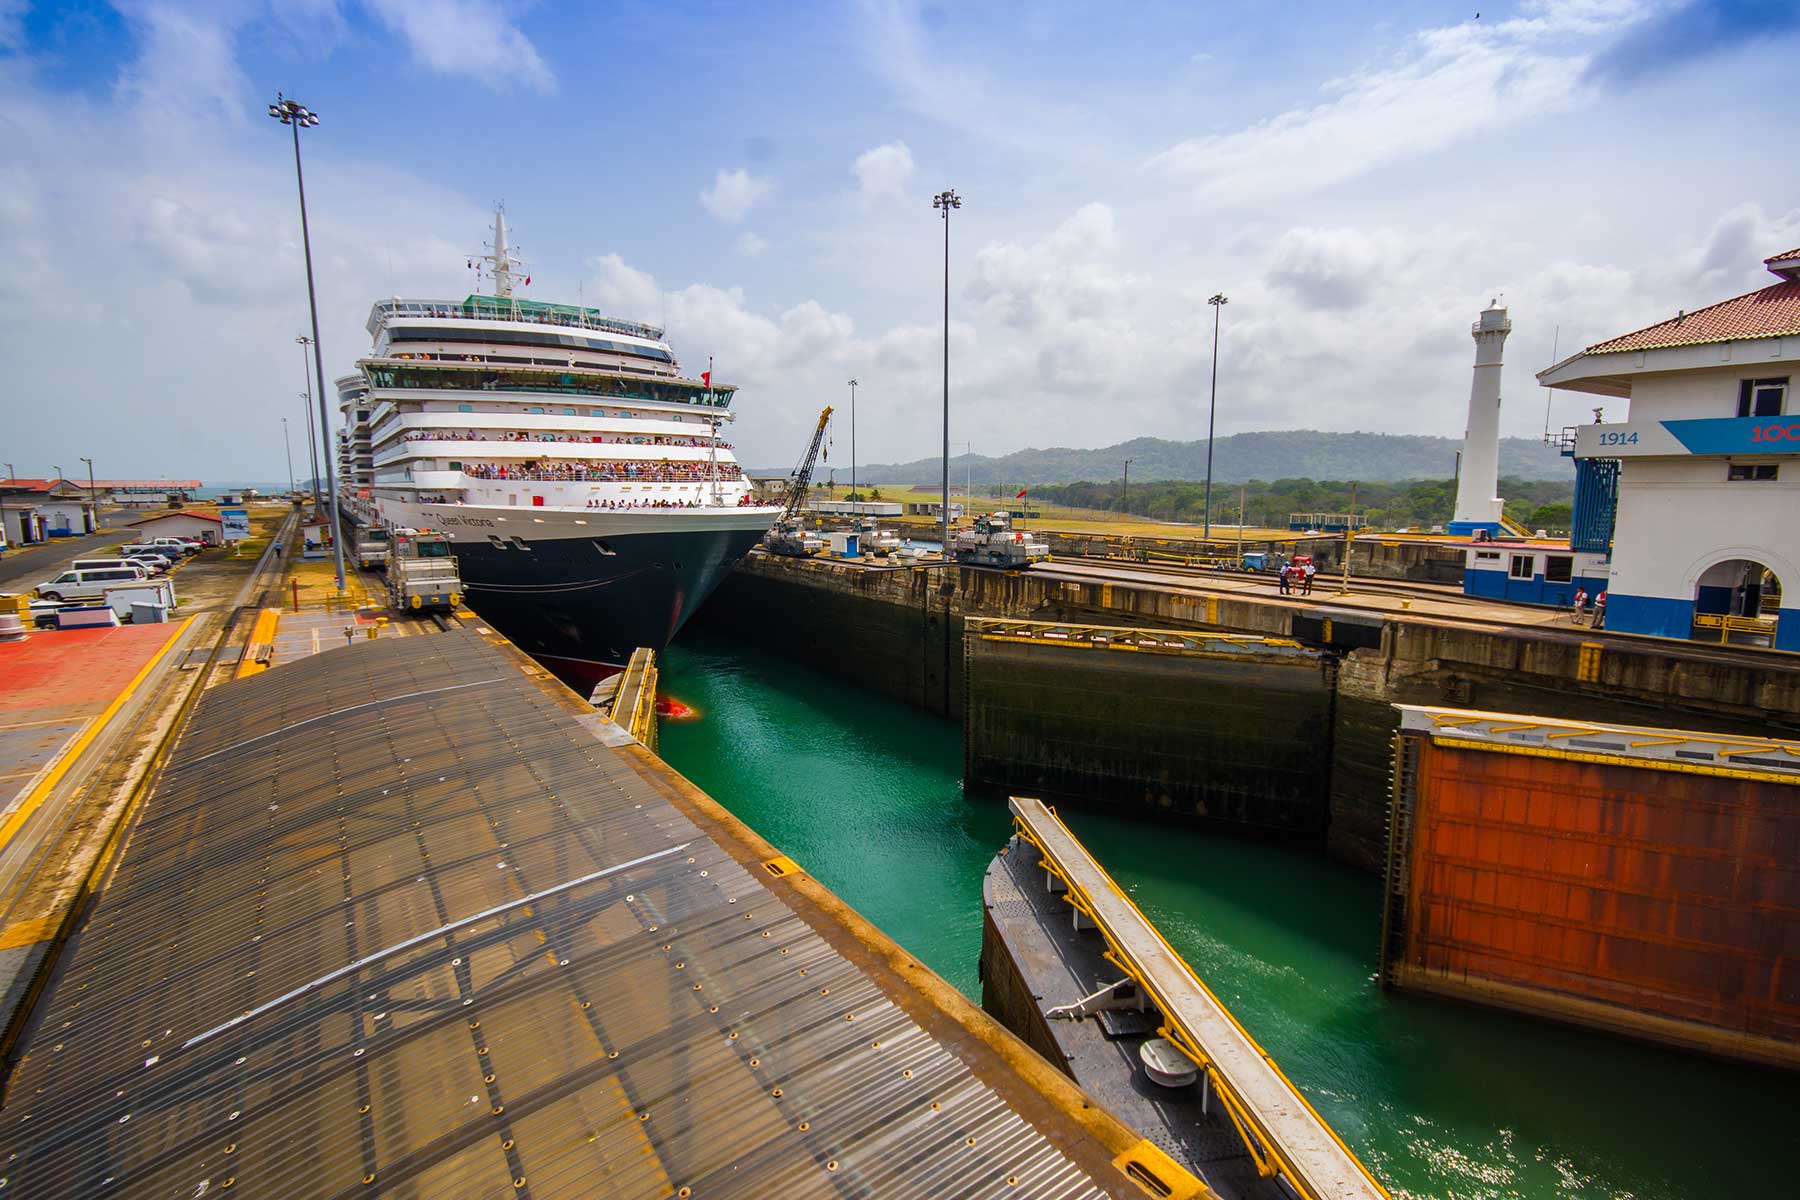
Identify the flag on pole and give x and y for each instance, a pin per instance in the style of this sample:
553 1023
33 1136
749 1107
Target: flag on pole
1021 494
706 375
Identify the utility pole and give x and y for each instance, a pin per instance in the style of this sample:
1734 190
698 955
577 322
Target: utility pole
93 500
11 475
1242 489
946 200
1218 302
297 115
854 496
1349 535
1125 492
287 444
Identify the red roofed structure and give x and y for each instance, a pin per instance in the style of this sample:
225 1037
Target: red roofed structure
1773 311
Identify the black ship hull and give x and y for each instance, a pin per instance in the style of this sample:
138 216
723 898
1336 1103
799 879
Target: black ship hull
581 605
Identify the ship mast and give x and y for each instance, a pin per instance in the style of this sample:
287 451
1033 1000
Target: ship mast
501 262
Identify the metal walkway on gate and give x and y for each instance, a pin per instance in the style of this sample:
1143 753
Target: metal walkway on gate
1286 1137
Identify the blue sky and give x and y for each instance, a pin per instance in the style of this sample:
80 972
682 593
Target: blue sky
1360 180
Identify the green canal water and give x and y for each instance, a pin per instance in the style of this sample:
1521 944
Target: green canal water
1439 1100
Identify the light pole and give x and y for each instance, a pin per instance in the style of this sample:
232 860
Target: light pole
946 200
287 444
854 497
1218 301
294 114
1125 492
312 438
11 475
93 502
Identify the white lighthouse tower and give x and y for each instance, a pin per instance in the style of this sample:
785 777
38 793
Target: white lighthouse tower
1477 508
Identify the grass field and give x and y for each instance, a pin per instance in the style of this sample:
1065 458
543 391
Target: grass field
1061 516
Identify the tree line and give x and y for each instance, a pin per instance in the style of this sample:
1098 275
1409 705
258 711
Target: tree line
1534 503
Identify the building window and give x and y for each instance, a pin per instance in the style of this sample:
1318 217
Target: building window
1487 555
1523 566
1558 568
1761 398
1751 471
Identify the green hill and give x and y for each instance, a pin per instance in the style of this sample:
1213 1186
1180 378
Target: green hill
1278 454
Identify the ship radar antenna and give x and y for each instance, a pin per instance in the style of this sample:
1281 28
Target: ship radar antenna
500 263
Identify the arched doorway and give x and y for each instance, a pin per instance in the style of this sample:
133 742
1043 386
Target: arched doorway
1737 600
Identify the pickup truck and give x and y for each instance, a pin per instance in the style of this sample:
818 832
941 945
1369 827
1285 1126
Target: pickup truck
179 544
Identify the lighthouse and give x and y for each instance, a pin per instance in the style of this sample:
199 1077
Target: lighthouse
1477 508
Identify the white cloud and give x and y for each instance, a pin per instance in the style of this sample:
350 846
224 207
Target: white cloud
733 194
750 245
1451 84
883 171
186 60
474 39
1333 268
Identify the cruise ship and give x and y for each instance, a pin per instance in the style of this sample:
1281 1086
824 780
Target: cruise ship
585 481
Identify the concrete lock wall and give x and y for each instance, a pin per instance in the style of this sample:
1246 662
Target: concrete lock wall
896 632
891 631
1231 736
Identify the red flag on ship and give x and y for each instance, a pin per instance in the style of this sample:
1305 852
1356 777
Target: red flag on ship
706 375
528 281
1021 494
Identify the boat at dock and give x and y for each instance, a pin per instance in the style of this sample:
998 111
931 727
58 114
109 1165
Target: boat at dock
581 476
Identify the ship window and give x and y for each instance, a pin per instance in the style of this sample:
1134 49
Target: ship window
465 408
1523 566
1740 472
568 412
1761 397
1559 568
539 411
455 466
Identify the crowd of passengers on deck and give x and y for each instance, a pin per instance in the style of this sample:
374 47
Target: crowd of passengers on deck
589 471
620 439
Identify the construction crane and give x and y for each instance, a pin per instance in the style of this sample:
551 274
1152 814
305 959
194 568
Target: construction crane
788 535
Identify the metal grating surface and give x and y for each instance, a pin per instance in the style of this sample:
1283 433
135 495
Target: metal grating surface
395 923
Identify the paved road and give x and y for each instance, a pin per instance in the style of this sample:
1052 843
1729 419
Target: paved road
24 567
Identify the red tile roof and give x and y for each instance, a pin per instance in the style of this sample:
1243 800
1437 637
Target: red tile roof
1772 312
184 512
1785 256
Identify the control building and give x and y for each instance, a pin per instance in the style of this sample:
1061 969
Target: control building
1694 494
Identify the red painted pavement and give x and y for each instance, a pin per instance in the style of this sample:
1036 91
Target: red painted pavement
74 671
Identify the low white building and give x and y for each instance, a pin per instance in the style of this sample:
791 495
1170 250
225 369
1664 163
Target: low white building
187 523
1698 488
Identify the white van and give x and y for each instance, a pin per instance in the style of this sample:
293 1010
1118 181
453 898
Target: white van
87 585
148 563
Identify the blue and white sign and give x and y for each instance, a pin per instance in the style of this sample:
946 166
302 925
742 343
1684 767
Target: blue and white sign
1706 435
234 524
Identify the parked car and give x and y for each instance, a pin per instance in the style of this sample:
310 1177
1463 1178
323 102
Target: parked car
136 549
87 585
